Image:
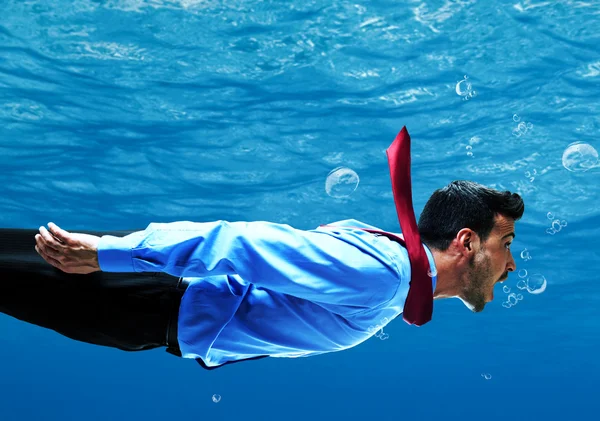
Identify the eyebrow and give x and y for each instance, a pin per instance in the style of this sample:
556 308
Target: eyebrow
509 234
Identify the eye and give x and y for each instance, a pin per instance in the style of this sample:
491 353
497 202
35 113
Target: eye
507 245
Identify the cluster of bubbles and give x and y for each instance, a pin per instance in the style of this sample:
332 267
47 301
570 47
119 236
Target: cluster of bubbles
216 398
341 182
534 284
469 147
522 127
486 376
379 329
469 151
465 89
557 224
580 157
531 175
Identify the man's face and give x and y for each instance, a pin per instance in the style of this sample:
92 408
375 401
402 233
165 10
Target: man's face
490 265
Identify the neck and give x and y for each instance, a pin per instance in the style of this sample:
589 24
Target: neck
448 278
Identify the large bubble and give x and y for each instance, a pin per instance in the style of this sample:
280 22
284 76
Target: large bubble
341 182
579 157
536 284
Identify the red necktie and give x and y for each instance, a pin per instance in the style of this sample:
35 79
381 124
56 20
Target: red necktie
418 307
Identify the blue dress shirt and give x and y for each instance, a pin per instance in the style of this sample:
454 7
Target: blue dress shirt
267 289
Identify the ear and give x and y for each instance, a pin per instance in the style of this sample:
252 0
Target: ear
467 241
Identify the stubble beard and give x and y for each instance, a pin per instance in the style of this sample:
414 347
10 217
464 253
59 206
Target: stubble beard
474 292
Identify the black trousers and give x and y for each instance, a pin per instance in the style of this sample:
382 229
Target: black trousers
128 311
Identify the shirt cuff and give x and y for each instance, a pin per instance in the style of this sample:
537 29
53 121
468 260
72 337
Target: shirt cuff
114 255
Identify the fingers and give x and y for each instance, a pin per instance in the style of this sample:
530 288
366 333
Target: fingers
47 246
46 257
48 240
60 234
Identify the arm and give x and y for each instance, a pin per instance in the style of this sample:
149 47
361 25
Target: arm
306 264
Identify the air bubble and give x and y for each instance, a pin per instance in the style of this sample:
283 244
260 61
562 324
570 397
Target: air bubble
536 284
579 157
556 225
341 182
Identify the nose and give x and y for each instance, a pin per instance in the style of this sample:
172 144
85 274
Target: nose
511 266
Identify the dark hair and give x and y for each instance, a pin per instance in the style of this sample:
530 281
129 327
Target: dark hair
465 204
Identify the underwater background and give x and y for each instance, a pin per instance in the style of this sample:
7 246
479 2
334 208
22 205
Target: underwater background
115 114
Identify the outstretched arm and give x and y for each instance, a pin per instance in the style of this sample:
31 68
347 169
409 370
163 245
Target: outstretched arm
306 264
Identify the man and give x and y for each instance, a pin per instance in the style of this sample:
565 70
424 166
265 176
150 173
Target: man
247 290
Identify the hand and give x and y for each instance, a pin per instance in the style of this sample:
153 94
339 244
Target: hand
69 252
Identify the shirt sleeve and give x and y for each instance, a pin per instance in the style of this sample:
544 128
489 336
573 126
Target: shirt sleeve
307 264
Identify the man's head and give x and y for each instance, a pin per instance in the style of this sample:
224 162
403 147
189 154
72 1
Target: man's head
469 229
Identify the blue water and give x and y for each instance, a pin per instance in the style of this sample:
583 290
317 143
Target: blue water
119 113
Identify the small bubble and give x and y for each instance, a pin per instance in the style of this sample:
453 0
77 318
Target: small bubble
384 336
550 231
516 118
522 127
469 147
486 376
506 289
216 398
549 215
536 284
516 132
527 174
563 223
470 154
385 321
525 255
341 182
506 304
522 284
519 297
512 299
529 126
522 273
463 90
556 225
